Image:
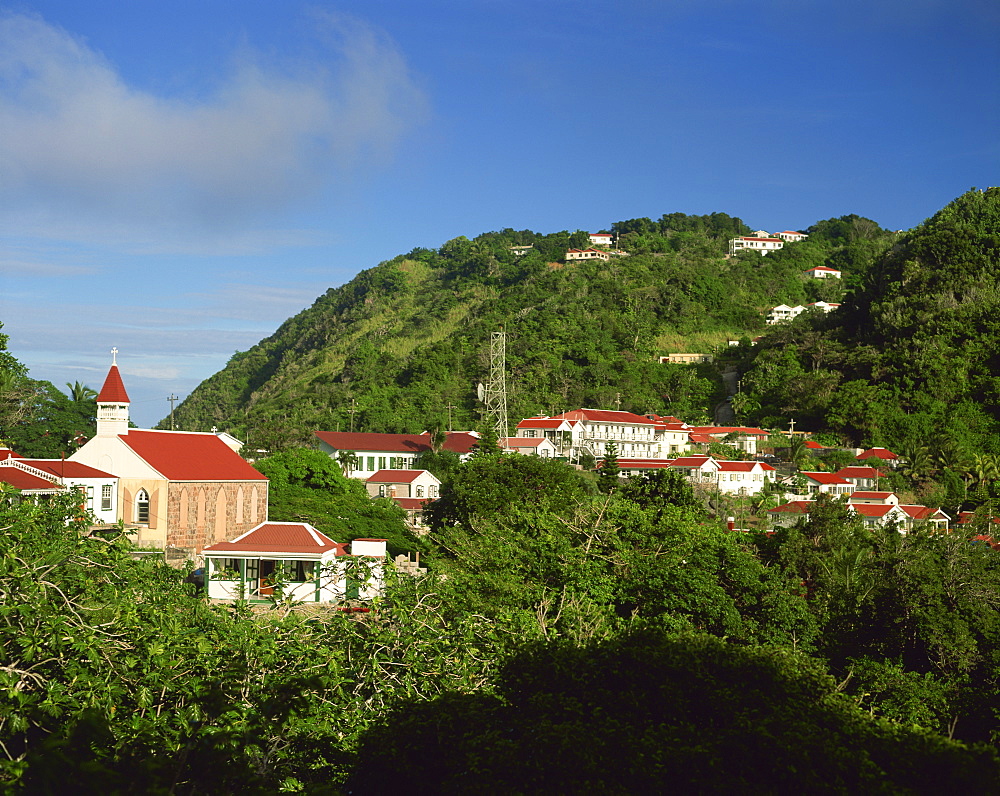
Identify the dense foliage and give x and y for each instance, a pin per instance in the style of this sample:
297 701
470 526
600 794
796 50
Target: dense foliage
621 643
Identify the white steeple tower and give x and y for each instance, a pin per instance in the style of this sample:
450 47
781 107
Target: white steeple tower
112 403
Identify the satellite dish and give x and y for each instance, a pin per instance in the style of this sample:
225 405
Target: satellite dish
481 391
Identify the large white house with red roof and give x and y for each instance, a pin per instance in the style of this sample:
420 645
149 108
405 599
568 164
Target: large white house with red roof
731 477
294 561
374 452
756 243
176 489
592 430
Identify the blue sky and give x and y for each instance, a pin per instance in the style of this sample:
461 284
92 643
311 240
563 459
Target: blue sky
176 179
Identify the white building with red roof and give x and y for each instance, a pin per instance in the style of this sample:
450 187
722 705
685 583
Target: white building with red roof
98 489
404 484
27 483
294 561
862 477
822 272
592 430
827 483
601 238
743 437
755 243
374 452
790 236
176 489
587 254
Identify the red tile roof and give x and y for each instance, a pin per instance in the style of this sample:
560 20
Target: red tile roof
690 461
871 495
924 513
522 442
872 509
280 537
647 464
814 446
63 468
113 391
858 472
190 456
826 478
882 453
395 476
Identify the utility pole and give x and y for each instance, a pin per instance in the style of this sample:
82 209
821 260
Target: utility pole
353 402
172 398
495 397
450 407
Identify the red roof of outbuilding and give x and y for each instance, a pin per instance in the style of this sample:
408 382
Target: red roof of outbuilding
280 537
793 507
190 456
881 453
113 391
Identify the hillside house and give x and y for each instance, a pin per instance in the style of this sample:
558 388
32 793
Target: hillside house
176 489
685 359
373 452
746 438
822 272
788 236
404 484
760 244
826 483
293 560
601 239
862 477
587 254
529 446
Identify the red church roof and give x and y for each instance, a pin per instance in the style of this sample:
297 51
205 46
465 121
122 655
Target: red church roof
190 456
113 391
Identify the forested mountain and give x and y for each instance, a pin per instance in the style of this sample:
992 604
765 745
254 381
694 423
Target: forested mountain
910 359
393 348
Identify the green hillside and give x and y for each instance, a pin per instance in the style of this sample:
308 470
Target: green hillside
910 360
393 348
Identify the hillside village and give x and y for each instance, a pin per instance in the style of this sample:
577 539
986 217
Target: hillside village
193 496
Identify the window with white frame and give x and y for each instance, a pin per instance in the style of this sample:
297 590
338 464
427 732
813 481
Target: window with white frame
106 497
142 506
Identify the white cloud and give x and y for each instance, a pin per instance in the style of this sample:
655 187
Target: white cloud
81 146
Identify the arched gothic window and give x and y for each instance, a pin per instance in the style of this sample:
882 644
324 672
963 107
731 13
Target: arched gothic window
142 506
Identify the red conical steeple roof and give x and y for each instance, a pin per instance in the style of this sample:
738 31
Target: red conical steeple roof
113 391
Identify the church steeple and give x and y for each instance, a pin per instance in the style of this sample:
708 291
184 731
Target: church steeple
112 403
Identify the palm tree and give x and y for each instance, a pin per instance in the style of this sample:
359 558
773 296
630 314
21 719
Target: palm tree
80 392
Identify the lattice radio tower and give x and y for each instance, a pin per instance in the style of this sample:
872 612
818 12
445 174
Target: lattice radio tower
496 388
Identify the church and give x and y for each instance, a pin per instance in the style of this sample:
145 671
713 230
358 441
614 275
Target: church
176 489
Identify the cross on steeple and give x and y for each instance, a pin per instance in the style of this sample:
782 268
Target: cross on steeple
114 355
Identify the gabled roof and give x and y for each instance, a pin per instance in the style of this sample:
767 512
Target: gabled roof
742 467
924 513
692 461
858 472
64 468
875 510
412 504
397 476
189 456
881 453
542 422
701 439
822 268
813 446
299 538
113 391
523 442
826 478
643 464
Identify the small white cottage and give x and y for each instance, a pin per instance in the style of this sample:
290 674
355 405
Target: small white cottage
293 560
